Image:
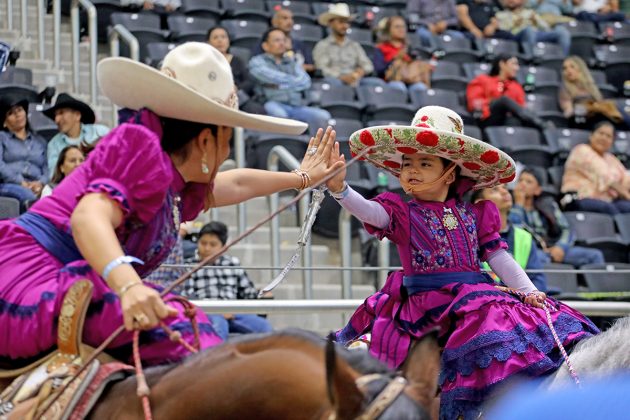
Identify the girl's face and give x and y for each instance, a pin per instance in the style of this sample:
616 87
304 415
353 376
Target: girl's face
219 39
601 140
73 158
570 71
15 119
398 29
420 169
509 68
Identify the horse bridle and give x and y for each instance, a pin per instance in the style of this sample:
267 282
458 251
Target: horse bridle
384 398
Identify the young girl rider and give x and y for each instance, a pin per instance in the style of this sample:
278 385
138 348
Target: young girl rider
488 335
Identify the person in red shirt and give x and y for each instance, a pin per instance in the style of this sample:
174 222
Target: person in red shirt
495 96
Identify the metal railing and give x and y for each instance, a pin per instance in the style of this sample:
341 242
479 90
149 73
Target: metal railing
56 8
76 39
239 157
10 15
115 34
345 243
349 305
23 19
280 154
41 28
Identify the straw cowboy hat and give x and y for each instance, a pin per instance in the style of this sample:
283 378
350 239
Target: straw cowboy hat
437 131
337 10
195 84
66 101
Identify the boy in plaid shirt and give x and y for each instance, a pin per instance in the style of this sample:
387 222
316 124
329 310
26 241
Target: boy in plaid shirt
223 279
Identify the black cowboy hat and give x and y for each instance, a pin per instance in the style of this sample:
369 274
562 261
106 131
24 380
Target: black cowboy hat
9 101
66 101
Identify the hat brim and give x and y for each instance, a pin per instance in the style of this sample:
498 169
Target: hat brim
134 85
5 107
325 18
483 163
87 114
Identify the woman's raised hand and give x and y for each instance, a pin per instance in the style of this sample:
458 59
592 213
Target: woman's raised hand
143 308
317 159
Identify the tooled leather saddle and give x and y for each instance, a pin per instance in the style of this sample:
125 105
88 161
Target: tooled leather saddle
35 386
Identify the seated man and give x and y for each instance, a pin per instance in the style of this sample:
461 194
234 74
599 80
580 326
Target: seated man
281 81
75 120
435 18
224 280
520 243
340 59
544 217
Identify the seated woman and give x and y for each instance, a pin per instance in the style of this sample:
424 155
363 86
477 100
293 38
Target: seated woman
595 179
495 96
392 61
69 159
23 166
581 100
219 38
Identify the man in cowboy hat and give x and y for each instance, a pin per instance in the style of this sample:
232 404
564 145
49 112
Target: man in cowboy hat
340 59
75 120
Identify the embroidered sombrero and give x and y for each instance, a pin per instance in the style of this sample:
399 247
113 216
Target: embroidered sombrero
437 131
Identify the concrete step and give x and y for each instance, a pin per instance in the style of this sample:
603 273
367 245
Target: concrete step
321 323
35 63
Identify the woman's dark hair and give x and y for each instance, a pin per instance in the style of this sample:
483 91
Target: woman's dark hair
603 123
452 193
265 35
214 28
4 117
58 176
495 67
177 134
476 195
215 228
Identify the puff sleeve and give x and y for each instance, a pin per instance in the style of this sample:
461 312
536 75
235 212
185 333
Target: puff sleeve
488 227
130 167
398 229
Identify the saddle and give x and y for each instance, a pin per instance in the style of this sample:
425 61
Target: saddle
36 385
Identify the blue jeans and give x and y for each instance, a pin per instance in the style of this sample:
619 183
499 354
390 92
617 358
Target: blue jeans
20 193
314 117
577 256
559 35
600 206
240 324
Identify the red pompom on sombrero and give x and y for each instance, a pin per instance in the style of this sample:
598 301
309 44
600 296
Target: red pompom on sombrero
437 131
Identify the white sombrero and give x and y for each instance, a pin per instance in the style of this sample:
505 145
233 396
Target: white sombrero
195 84
437 131
337 10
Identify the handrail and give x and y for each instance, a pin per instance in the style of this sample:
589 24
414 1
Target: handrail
345 243
239 157
41 28
115 33
349 305
383 261
93 39
10 15
24 19
56 7
276 154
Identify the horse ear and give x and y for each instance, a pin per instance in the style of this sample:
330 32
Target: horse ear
343 393
422 369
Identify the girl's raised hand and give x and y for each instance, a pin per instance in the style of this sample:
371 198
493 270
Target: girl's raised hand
335 184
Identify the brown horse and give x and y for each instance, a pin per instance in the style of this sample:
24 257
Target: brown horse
282 375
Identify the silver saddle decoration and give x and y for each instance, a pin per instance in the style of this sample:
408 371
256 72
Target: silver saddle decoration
305 233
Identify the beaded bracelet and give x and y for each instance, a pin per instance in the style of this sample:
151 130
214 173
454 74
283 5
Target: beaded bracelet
123 259
306 179
340 195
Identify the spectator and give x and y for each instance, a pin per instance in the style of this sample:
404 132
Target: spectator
552 7
339 58
281 81
598 11
594 179
528 28
393 62
75 120
23 167
283 19
549 226
219 38
435 17
478 18
495 96
581 100
223 280
520 242
162 8
69 159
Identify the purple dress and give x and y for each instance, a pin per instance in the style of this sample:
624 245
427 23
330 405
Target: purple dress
487 335
40 260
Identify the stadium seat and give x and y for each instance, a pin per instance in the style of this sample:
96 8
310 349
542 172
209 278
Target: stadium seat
459 50
296 145
251 10
607 282
385 103
562 140
189 28
156 51
210 9
40 123
21 91
548 54
509 137
597 230
448 75
583 37
9 208
345 127
18 75
564 280
615 61
245 33
441 97
541 80
546 107
472 70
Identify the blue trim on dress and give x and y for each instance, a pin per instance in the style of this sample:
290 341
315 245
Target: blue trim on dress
428 317
22 311
427 282
56 242
112 192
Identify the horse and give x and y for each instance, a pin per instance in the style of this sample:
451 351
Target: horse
289 374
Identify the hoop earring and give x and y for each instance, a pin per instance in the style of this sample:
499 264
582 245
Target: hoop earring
204 165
